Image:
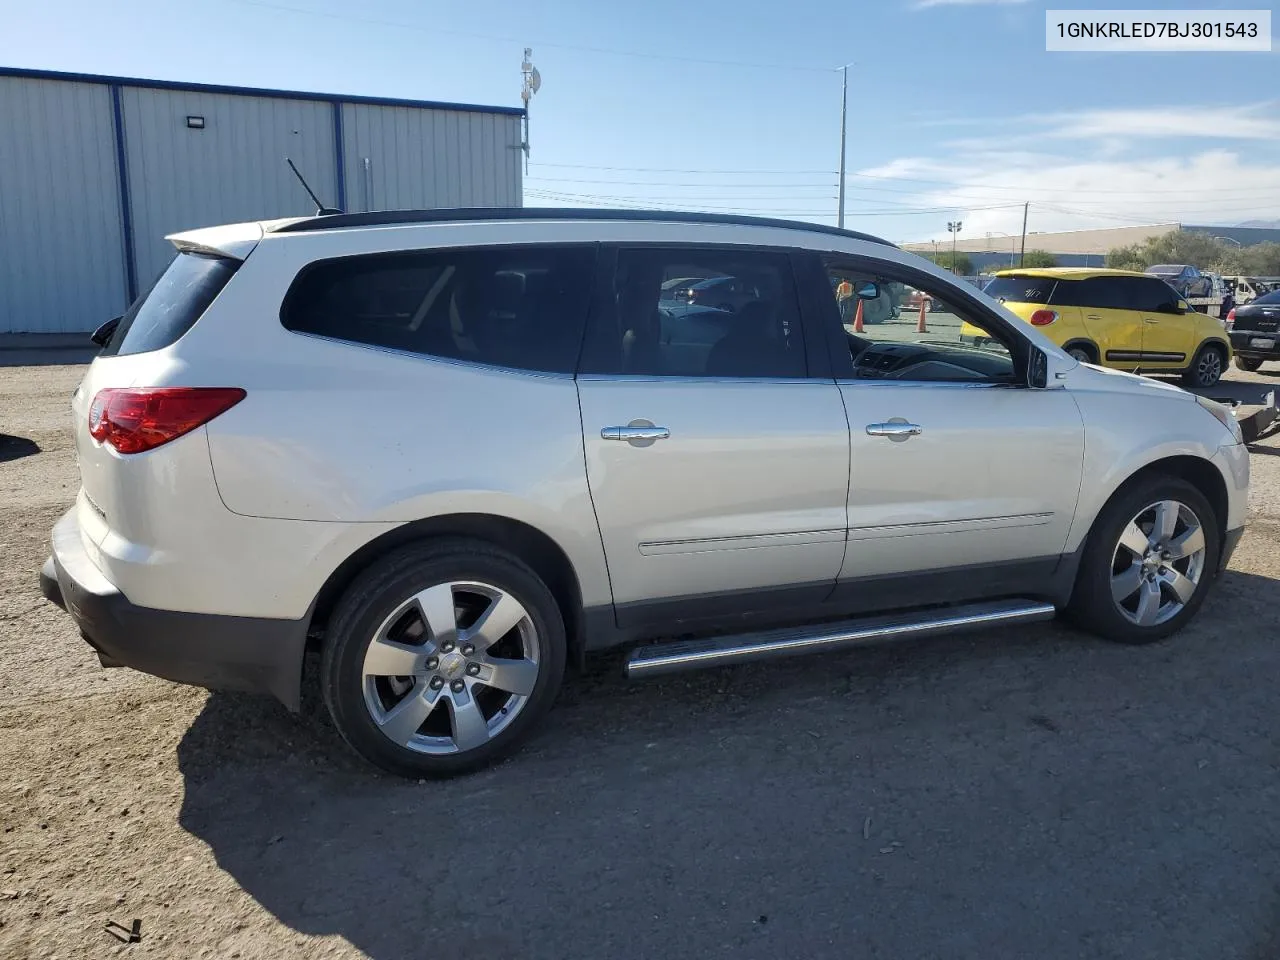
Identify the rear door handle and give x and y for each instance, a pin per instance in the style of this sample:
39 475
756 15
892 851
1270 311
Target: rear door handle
1150 320
894 430
1092 316
633 433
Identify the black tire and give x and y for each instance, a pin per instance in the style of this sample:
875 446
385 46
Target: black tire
375 596
1082 353
1204 370
1249 364
1092 605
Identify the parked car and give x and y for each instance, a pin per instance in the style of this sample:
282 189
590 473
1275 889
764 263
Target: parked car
1117 318
451 467
723 293
1255 331
1183 277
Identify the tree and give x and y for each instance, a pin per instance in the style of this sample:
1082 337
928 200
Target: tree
962 266
1179 246
1039 258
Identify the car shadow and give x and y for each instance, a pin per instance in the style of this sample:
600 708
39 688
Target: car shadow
15 448
1031 788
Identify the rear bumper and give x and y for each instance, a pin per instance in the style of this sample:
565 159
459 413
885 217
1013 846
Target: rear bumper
222 653
1240 344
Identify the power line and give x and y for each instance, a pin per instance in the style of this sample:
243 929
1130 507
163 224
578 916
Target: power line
607 51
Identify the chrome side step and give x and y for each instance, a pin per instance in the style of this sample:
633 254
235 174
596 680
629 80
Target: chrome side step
659 658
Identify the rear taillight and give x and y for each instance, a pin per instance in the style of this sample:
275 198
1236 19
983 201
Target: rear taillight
1231 319
143 418
1042 318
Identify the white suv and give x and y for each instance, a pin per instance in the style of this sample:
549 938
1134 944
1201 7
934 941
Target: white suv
453 451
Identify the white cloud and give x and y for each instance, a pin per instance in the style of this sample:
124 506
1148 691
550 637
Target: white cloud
925 4
986 191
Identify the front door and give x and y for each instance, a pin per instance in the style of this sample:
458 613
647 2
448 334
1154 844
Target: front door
718 467
1168 334
956 469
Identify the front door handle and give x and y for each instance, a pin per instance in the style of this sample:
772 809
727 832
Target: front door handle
894 430
634 432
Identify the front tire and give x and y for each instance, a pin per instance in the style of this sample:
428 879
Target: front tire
1206 369
1249 364
1147 563
441 657
1083 354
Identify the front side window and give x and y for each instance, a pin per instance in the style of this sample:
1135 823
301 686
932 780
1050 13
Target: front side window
741 319
517 307
958 344
1151 295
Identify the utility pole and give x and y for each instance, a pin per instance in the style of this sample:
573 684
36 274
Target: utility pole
1023 255
844 119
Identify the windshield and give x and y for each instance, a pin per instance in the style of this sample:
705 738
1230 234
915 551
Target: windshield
1021 289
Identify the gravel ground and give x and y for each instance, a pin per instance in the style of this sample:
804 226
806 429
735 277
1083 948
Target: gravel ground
1020 793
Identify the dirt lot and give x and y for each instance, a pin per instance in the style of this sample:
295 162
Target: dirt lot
1020 793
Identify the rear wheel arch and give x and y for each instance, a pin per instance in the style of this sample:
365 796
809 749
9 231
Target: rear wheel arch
543 555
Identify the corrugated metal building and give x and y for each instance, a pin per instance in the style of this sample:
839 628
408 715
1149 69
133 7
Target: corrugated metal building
94 171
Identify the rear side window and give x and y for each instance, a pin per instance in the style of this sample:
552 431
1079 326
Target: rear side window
1100 293
743 321
1021 289
1273 297
518 307
173 304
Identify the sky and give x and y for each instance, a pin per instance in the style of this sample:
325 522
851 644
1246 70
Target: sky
956 112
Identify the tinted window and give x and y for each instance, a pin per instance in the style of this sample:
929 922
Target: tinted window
173 304
1021 289
1152 296
742 321
1101 293
520 307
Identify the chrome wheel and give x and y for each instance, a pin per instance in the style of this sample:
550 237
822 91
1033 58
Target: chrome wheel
451 667
1158 563
1209 368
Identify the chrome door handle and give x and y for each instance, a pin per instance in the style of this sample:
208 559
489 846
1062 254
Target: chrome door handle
1092 316
1150 320
631 433
894 429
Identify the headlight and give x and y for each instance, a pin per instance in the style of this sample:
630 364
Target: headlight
1224 415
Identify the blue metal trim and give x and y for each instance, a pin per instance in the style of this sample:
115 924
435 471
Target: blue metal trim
340 155
126 206
253 91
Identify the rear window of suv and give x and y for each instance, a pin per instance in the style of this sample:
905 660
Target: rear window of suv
172 305
1021 289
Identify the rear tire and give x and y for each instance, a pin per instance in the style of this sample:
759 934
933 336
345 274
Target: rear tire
1083 354
1141 580
1206 369
1249 364
441 657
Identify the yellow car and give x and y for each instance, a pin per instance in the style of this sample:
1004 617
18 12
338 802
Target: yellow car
1116 318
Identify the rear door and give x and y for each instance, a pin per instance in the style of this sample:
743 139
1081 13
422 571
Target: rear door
719 475
1108 318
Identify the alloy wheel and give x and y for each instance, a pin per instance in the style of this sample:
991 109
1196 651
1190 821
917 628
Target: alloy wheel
451 667
1158 563
1209 368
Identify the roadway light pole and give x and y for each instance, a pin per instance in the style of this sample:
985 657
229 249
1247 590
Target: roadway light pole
1023 255
953 228
844 122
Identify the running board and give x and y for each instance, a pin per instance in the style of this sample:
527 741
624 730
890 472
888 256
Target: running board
659 658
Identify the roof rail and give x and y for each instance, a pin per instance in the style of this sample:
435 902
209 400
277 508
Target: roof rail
446 215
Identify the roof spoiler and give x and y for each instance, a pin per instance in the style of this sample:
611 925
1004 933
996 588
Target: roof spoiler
235 241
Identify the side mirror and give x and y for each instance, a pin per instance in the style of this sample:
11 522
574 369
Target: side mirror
1183 307
868 291
104 332
1037 369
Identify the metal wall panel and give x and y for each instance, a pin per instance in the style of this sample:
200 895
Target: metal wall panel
61 248
400 158
231 170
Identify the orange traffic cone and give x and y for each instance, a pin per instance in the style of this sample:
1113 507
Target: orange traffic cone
857 319
920 324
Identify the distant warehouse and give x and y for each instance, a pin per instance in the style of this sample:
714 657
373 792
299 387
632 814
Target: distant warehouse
94 171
